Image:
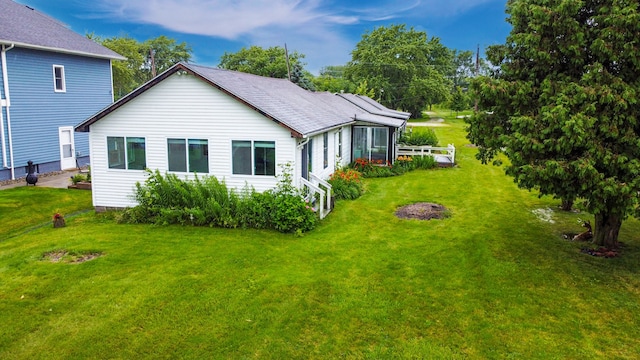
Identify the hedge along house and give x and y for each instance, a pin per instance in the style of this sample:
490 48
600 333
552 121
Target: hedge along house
235 126
51 79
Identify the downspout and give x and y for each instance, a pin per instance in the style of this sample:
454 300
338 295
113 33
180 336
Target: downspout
7 104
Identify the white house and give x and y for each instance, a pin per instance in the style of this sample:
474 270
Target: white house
235 126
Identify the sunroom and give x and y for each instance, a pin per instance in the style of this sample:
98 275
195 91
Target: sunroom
375 139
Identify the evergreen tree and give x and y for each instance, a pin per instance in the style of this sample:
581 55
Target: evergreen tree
563 105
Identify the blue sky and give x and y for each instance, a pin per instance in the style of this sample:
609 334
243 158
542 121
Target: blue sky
326 31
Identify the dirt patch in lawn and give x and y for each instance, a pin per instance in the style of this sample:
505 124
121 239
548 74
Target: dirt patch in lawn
422 211
70 257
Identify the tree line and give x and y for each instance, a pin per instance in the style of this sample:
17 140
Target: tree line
400 67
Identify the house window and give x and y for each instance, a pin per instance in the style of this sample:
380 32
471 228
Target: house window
126 153
188 155
340 143
371 143
253 157
58 78
325 149
310 155
380 137
265 158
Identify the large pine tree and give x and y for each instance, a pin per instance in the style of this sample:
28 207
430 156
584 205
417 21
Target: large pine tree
562 105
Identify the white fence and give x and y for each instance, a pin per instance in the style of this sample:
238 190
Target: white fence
442 155
316 186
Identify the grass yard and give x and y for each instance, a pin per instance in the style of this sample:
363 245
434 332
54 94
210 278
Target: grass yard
493 280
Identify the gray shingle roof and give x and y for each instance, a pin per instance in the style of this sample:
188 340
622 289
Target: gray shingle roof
281 99
25 27
339 102
373 107
301 111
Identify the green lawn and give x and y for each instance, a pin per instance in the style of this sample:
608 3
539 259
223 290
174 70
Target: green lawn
491 281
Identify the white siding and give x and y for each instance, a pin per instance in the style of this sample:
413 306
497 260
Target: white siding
318 152
183 107
346 146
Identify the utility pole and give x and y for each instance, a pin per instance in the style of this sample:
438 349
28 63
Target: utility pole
286 55
153 62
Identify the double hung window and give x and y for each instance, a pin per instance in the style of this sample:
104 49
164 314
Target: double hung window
58 79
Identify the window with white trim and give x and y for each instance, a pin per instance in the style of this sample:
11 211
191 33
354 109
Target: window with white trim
188 155
59 84
253 157
127 153
340 143
325 149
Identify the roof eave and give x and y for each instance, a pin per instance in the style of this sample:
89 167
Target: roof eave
62 51
322 131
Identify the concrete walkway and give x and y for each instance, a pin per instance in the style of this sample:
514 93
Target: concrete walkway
58 180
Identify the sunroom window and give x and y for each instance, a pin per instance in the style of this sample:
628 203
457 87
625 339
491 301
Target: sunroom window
371 143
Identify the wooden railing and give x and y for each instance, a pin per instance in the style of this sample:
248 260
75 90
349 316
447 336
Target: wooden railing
443 155
316 186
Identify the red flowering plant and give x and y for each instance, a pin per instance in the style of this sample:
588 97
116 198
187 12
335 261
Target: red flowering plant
373 168
346 184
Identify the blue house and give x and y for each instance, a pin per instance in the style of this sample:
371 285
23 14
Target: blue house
51 79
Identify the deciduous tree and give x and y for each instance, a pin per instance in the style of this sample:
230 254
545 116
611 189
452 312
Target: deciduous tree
332 79
459 100
271 62
563 105
139 67
405 68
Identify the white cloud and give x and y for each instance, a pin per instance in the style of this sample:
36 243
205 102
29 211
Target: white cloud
231 19
313 27
227 19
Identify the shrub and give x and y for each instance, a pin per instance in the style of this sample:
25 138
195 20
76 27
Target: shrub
419 137
75 179
424 162
166 199
402 164
291 213
346 184
373 168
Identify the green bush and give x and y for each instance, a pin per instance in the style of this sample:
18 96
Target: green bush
374 168
424 162
346 184
75 179
404 163
290 211
166 199
419 137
